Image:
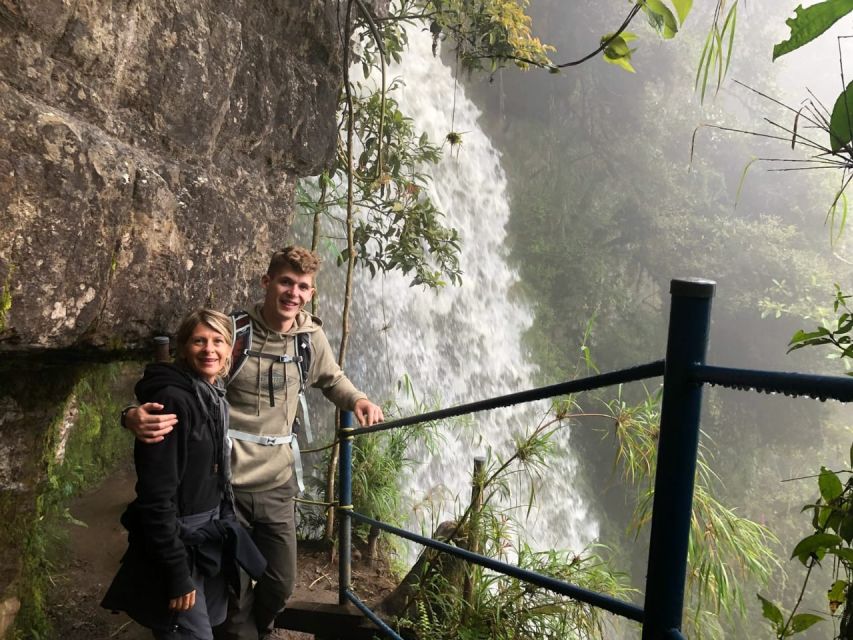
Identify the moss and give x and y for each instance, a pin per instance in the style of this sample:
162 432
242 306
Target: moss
93 447
5 301
32 620
115 343
96 442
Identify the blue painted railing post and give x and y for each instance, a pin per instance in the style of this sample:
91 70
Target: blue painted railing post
345 508
687 345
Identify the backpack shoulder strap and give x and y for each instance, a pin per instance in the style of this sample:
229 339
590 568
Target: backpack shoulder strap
303 355
241 325
302 347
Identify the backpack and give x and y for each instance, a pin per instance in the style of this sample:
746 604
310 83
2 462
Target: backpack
240 352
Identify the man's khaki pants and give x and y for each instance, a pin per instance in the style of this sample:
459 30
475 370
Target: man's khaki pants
270 517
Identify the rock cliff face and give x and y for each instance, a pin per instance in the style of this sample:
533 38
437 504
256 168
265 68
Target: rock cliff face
148 157
149 151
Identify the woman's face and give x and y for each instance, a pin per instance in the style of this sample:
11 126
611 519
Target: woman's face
206 352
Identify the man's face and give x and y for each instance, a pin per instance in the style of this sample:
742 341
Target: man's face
287 291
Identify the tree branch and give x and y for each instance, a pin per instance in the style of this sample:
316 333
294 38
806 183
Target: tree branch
631 14
377 37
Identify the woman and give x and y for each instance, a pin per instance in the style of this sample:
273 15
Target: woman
172 579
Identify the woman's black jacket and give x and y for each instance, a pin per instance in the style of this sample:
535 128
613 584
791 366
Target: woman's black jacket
175 477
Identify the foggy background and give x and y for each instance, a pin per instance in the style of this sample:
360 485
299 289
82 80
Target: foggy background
605 207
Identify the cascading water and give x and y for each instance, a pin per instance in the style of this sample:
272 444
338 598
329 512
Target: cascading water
461 344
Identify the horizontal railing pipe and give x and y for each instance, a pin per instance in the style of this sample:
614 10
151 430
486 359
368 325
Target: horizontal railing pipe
641 372
790 384
613 605
388 631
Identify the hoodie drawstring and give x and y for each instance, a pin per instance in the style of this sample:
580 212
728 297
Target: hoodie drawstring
263 345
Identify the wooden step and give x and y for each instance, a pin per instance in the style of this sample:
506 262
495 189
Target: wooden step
327 621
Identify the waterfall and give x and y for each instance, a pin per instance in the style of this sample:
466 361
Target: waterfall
461 344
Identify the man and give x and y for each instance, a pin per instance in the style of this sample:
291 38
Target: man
264 397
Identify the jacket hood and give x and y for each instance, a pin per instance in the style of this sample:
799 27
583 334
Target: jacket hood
303 323
160 375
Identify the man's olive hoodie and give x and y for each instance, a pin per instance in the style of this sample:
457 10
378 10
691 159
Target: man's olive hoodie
257 467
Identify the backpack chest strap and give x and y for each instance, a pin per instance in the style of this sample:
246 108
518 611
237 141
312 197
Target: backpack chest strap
267 441
273 441
284 359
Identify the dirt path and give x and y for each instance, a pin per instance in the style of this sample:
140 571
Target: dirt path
83 574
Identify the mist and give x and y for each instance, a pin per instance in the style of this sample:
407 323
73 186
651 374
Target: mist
616 185
603 184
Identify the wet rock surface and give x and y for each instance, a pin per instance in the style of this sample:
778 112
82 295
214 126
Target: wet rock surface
149 152
148 157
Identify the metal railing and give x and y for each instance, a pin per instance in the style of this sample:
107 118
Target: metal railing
684 373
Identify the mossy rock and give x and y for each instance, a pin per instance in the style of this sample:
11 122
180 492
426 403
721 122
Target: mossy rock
60 427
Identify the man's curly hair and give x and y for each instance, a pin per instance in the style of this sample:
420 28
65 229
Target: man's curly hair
299 259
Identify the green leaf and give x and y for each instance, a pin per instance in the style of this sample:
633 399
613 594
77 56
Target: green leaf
618 52
823 516
748 164
816 544
841 120
809 23
662 18
809 338
836 592
830 485
846 528
815 516
731 25
771 612
834 520
845 554
682 8
627 36
803 621
801 335
617 49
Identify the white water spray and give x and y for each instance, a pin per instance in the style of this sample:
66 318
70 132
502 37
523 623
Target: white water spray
462 344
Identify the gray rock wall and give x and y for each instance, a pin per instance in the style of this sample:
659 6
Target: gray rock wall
148 157
149 151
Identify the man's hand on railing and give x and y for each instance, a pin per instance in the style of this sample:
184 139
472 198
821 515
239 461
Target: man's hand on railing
367 413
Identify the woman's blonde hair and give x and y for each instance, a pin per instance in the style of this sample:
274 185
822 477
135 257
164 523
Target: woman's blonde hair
212 319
